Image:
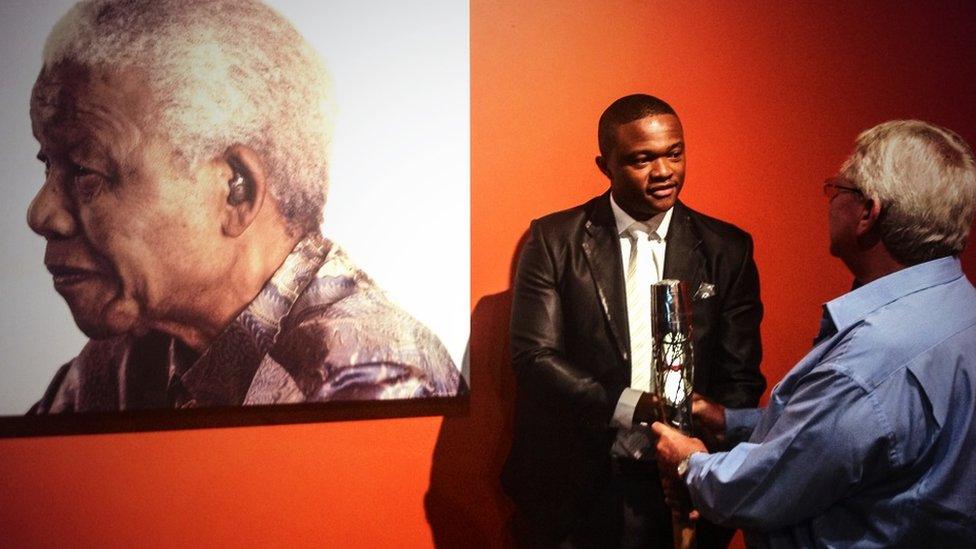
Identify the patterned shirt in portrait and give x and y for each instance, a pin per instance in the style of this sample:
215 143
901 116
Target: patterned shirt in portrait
320 330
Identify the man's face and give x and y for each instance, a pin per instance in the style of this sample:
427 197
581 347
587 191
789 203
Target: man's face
843 212
131 230
646 165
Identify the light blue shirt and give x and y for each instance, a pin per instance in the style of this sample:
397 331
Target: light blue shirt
870 440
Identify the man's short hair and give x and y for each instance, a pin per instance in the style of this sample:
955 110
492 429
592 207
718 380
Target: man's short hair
925 178
625 110
221 72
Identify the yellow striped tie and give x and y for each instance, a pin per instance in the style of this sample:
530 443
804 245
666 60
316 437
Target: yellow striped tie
639 307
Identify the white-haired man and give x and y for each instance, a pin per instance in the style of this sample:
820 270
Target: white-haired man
185 151
870 441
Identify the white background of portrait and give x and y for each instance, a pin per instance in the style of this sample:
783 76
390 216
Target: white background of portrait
399 198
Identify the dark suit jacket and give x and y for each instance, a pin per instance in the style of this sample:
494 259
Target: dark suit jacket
570 346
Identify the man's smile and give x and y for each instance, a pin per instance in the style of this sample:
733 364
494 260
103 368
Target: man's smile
662 191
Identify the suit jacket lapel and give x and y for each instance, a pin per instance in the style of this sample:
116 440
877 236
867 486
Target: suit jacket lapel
682 259
601 246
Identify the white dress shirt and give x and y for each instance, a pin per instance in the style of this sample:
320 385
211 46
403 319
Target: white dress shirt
650 239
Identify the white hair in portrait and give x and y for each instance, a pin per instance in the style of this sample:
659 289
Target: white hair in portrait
221 72
925 178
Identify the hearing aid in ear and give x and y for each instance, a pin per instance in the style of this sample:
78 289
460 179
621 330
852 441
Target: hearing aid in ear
238 190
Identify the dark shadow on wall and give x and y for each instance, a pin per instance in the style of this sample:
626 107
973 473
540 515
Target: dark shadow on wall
465 504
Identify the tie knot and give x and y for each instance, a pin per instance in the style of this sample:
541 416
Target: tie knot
639 231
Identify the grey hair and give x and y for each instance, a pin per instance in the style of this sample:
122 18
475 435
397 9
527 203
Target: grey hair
222 72
924 176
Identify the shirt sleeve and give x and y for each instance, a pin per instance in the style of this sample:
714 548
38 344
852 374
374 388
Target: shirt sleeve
829 438
623 414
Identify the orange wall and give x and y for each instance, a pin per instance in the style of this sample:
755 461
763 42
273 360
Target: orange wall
771 97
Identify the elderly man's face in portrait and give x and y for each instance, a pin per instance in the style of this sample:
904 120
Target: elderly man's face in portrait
646 165
132 231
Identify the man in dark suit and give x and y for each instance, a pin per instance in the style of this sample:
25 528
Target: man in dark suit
581 470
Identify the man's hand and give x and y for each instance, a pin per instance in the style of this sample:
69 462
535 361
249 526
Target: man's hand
708 414
672 446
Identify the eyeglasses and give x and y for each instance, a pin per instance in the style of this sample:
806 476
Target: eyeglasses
831 189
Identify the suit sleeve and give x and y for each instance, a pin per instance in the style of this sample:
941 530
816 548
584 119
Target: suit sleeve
542 368
737 381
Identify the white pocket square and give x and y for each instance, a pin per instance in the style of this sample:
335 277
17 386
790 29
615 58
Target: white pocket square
705 291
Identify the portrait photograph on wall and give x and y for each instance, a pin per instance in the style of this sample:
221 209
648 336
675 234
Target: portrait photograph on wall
232 212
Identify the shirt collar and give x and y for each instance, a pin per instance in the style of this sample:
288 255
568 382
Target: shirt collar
658 224
854 306
223 374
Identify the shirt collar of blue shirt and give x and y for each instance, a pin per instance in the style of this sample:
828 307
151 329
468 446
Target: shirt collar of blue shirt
854 306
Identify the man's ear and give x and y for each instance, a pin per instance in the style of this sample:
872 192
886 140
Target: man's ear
601 163
246 189
870 216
